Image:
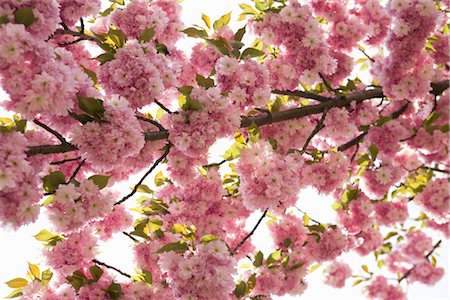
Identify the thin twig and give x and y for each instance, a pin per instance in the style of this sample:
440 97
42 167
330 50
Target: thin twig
155 164
215 164
153 122
52 131
248 235
97 262
81 25
130 236
76 171
303 212
164 107
61 162
318 127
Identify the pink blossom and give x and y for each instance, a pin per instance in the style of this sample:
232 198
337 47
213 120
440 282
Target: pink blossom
337 274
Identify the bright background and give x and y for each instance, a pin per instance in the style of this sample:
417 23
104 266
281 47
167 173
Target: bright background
19 247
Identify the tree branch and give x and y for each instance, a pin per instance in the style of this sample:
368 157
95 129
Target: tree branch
97 262
155 164
248 235
426 257
52 131
318 127
61 162
265 119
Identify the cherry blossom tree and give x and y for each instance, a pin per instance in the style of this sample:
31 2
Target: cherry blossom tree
100 94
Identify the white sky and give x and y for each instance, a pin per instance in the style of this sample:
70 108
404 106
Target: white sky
19 247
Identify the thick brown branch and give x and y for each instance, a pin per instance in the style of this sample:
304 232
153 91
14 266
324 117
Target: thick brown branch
249 234
50 149
155 164
302 94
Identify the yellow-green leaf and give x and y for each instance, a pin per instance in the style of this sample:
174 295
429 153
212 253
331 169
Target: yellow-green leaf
207 20
34 270
17 283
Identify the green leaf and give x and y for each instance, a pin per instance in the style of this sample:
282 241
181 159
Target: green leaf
373 151
389 235
221 45
160 179
314 267
240 289
251 52
357 282
178 247
223 20
114 290
155 224
17 283
105 57
96 272
92 106
46 276
240 34
4 20
251 283
100 180
118 37
259 257
365 268
77 280
147 35
208 238
24 16
121 2
161 48
204 82
273 257
234 151
207 20
144 189
349 195
148 277
53 180
48 237
15 293
195 33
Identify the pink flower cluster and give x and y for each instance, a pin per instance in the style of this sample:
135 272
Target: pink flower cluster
380 289
247 83
194 131
371 241
435 200
432 147
390 213
339 128
375 18
357 217
19 182
203 274
138 73
426 273
331 244
290 134
346 29
386 138
74 206
328 174
162 15
110 143
281 280
73 10
304 51
38 78
337 274
268 179
406 73
377 182
46 15
199 202
73 253
289 230
203 59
